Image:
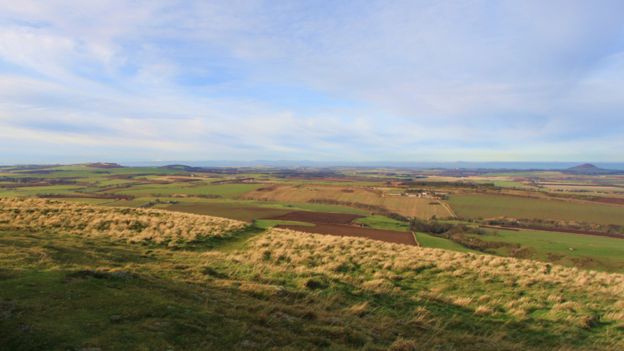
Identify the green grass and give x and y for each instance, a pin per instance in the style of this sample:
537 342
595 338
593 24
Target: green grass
64 307
383 222
61 292
428 240
246 210
269 223
508 184
249 210
584 251
232 205
487 206
318 208
36 190
234 210
224 190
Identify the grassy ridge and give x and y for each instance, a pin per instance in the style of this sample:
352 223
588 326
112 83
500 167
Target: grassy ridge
282 288
122 223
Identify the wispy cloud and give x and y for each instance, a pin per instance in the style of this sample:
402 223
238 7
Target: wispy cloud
375 80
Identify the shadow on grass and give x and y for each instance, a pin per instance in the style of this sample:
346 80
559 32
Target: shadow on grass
231 241
78 304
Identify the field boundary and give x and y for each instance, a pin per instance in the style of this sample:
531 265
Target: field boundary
554 230
416 239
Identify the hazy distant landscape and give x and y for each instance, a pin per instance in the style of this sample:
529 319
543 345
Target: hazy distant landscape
311 175
156 256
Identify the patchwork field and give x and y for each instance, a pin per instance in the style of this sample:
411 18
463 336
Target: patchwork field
229 210
259 196
488 206
339 224
407 206
186 258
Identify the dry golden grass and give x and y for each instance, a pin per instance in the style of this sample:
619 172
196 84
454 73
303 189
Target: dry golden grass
122 223
407 206
566 294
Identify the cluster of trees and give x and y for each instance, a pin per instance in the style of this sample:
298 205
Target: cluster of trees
457 233
440 228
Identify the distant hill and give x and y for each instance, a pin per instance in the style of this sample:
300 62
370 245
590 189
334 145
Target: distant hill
181 168
104 165
589 169
185 168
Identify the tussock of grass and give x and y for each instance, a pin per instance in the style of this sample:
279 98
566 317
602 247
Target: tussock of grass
133 225
487 286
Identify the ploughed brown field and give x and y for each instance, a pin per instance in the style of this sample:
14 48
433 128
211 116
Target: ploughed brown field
340 224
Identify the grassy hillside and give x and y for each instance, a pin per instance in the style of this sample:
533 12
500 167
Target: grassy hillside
280 289
133 225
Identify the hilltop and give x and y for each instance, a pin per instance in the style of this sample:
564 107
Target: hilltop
260 289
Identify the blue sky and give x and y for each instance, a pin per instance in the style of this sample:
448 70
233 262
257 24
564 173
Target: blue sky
315 80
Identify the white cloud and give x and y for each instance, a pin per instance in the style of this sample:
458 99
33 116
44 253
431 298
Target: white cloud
473 80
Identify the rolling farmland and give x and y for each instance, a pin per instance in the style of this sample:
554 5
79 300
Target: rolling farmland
487 206
153 254
407 206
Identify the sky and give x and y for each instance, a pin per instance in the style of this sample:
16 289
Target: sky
356 81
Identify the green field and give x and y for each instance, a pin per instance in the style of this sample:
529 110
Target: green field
250 210
269 223
436 242
224 190
383 222
588 251
488 206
